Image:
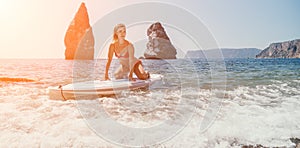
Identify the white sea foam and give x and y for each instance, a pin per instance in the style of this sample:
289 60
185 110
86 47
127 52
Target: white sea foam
247 121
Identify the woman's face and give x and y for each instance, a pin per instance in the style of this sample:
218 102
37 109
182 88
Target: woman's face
121 33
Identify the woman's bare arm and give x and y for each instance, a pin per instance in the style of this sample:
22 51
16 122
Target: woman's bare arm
110 56
131 59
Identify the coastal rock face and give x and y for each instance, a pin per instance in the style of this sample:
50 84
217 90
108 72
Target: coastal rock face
159 45
79 38
288 49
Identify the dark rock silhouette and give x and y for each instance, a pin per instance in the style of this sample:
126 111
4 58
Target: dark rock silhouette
79 38
288 49
296 141
159 45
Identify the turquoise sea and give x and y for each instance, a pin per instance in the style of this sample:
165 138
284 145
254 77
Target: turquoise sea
199 103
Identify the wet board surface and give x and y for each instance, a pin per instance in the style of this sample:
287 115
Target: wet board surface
92 89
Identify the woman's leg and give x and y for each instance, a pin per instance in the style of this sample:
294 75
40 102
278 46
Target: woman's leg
140 71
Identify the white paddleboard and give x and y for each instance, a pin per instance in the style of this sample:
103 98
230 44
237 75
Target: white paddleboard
97 88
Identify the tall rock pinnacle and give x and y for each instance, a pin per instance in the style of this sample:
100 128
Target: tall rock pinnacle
79 38
159 45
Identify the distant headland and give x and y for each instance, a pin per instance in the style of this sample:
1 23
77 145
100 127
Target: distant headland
287 49
226 52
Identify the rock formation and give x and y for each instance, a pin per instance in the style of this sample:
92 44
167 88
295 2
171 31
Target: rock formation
79 38
159 45
288 49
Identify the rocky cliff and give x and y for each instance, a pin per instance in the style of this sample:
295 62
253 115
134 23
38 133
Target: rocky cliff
288 49
79 38
226 52
159 45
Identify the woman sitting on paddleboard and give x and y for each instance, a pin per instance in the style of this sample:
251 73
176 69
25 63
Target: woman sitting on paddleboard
124 51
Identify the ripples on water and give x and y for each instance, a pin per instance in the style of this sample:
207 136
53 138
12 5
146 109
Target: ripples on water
261 100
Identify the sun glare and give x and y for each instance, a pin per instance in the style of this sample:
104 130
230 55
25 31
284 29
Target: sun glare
5 5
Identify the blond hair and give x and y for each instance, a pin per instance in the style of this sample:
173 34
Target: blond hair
115 37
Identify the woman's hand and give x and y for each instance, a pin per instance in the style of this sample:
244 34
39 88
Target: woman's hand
106 78
130 78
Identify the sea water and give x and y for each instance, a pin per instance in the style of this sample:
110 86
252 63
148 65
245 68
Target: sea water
199 103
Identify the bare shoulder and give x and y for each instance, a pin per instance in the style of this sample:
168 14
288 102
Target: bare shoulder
112 45
111 48
130 45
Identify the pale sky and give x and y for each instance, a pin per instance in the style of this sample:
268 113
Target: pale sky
36 28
